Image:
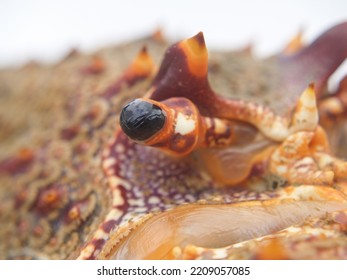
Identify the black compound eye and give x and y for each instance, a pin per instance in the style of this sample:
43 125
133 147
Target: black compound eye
140 120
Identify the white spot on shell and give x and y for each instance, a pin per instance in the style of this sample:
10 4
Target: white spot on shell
114 214
136 202
219 254
100 234
141 209
153 200
307 160
282 169
87 252
119 148
108 162
113 181
184 125
117 198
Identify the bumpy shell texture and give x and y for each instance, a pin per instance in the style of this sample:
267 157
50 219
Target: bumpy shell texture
178 153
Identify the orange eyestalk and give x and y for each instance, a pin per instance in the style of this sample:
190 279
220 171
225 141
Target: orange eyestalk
174 126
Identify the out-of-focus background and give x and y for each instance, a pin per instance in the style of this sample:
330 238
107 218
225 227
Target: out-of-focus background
45 30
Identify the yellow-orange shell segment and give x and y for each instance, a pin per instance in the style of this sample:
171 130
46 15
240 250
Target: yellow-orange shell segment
142 65
196 53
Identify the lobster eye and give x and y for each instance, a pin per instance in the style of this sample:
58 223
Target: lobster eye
140 119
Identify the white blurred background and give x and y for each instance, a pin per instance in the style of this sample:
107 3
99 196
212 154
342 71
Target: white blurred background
45 30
